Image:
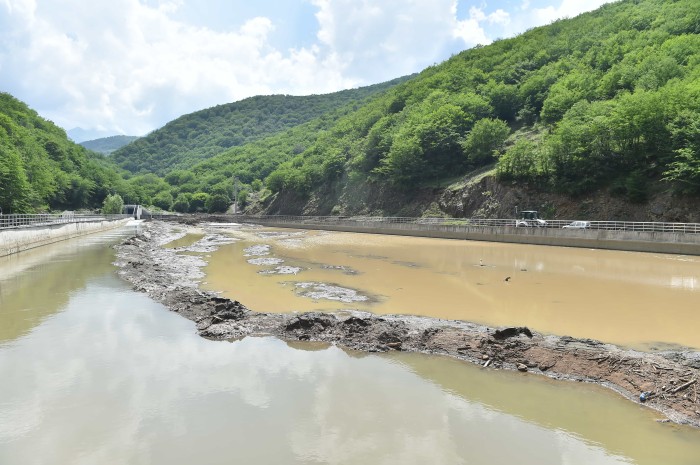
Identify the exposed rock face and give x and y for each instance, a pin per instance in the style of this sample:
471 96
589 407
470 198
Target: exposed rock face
489 198
170 278
483 196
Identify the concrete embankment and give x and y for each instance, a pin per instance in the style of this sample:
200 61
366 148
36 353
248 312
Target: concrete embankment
635 241
24 238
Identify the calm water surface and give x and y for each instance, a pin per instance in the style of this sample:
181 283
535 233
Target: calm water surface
627 298
94 373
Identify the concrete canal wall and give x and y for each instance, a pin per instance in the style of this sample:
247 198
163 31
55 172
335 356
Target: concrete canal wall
27 237
636 241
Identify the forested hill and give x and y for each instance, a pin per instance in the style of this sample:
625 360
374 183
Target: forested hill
41 169
107 145
609 99
203 134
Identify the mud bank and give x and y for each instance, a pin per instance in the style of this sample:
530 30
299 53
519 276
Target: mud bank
669 380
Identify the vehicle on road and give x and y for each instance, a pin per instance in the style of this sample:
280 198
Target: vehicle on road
530 219
578 225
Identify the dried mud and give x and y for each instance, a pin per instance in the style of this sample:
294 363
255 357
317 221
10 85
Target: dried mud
668 379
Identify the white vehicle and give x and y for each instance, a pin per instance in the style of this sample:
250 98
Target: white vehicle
578 225
530 219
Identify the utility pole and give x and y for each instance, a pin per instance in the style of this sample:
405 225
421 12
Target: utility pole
235 195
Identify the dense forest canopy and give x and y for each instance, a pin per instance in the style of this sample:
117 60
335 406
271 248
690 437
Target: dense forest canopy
611 97
607 99
203 134
40 169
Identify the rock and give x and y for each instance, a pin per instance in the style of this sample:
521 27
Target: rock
544 366
310 320
522 367
355 321
512 331
389 337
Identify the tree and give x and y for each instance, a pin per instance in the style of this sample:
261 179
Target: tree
217 203
685 167
520 162
164 200
14 188
485 141
113 205
404 165
182 203
198 202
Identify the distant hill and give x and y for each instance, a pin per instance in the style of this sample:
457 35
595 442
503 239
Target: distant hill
79 134
107 145
198 136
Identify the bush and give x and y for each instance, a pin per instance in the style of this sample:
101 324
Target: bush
164 201
182 203
217 203
485 141
198 202
113 205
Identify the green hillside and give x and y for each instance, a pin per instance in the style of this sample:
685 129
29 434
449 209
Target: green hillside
203 134
41 169
107 145
609 98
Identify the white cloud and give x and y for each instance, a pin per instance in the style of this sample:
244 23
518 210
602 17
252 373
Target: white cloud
125 66
129 66
529 17
471 31
371 37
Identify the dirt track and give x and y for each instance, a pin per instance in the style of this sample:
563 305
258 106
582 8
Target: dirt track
668 379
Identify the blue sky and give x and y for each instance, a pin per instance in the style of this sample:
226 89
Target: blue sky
130 66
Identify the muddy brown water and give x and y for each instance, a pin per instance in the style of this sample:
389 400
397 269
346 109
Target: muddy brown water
635 299
93 372
184 241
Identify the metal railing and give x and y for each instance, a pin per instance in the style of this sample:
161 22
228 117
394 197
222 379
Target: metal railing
648 226
48 219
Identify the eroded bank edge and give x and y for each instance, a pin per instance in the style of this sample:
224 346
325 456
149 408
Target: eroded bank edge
667 379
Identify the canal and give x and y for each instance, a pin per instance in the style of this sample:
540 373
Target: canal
93 372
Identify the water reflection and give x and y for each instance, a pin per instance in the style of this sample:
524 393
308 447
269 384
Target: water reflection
185 241
149 390
621 297
37 283
113 377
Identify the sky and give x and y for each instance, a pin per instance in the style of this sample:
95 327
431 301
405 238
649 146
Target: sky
129 66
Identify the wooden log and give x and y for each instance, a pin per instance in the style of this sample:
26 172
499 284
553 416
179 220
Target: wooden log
684 386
